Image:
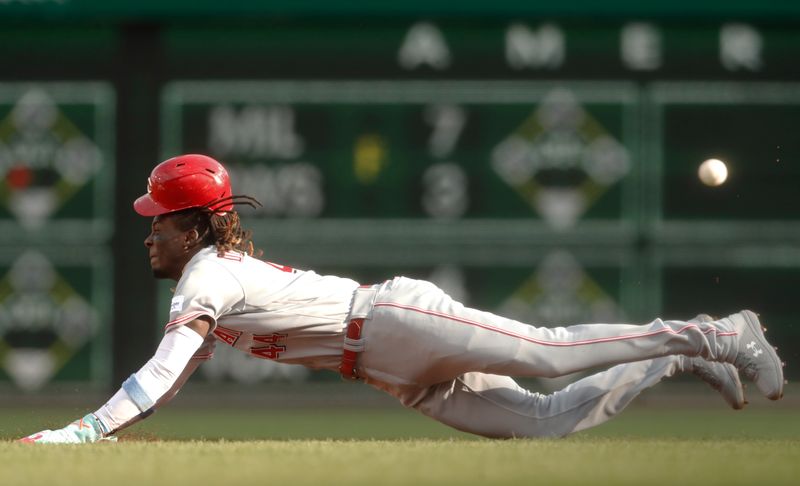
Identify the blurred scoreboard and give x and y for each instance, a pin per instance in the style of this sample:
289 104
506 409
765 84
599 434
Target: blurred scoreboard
547 153
57 161
539 162
545 130
748 125
488 47
56 206
55 314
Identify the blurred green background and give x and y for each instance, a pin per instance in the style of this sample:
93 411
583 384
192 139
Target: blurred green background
538 161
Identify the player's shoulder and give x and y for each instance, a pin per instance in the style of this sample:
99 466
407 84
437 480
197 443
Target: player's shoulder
210 256
208 263
206 272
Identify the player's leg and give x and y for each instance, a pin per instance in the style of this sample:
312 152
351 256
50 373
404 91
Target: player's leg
423 337
496 406
722 377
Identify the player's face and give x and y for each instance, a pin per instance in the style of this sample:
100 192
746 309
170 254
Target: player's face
167 246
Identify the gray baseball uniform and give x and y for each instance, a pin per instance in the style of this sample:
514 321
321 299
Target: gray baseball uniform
435 355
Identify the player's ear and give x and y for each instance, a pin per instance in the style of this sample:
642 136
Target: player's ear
192 238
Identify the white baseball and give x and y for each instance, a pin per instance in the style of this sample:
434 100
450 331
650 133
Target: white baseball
713 172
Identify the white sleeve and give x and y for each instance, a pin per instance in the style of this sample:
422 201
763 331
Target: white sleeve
208 289
143 389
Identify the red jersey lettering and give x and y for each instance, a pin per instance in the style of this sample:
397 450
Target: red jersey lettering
228 336
282 268
272 351
273 338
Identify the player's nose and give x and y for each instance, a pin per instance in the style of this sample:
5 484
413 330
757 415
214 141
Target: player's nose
148 242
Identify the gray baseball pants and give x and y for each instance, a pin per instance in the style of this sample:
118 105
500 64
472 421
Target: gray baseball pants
453 363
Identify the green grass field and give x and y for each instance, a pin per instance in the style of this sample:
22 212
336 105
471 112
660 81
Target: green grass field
580 460
705 445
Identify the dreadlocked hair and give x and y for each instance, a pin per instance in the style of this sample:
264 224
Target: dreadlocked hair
222 229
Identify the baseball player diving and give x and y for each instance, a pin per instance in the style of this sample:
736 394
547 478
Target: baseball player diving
403 336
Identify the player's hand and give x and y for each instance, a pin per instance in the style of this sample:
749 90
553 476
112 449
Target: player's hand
81 431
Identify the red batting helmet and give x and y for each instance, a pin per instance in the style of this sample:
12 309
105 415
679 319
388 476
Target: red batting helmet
183 182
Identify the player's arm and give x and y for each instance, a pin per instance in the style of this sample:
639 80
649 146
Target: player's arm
193 364
153 385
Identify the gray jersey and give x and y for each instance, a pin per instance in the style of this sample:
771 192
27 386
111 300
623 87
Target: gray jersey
268 310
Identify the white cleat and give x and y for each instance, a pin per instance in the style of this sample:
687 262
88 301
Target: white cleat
755 357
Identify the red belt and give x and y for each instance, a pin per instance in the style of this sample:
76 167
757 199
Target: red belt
349 355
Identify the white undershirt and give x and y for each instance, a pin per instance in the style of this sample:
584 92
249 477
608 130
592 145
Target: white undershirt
155 378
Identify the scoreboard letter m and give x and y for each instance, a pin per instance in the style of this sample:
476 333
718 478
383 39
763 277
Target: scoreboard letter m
542 48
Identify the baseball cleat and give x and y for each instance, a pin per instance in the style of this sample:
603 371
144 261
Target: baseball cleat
755 357
722 377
